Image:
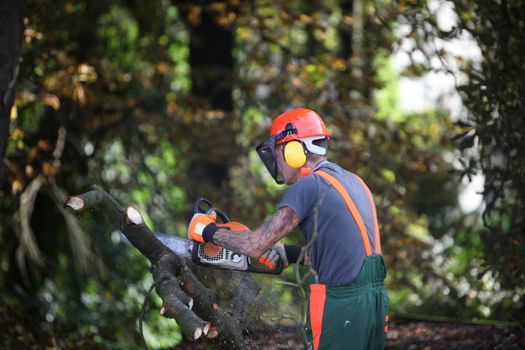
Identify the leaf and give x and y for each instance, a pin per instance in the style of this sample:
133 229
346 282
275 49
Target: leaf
14 113
16 187
464 124
48 169
51 100
467 142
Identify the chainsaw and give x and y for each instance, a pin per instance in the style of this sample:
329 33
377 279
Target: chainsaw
209 254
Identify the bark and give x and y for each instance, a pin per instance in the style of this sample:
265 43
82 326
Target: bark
11 33
194 306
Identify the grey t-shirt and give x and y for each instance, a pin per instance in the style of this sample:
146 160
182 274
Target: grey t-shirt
338 253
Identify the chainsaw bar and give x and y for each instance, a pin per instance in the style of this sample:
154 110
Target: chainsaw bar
204 254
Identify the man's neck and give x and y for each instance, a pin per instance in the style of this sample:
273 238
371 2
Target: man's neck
316 164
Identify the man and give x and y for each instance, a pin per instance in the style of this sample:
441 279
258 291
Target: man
335 210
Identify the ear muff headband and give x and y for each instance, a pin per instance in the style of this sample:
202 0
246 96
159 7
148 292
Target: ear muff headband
294 154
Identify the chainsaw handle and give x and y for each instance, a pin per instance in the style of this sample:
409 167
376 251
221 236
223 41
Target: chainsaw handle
197 206
198 209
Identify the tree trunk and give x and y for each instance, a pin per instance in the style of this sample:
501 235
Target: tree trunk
345 29
11 33
212 71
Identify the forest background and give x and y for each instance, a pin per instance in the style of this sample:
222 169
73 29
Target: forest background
161 102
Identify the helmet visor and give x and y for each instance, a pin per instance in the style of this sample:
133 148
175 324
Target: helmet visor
266 152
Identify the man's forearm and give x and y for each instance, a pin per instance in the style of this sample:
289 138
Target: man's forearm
256 243
244 242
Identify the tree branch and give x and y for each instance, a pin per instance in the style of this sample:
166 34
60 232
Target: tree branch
184 297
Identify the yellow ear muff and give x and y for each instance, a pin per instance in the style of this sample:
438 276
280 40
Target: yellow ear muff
295 154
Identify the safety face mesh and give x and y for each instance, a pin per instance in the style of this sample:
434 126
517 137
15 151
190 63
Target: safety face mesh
266 152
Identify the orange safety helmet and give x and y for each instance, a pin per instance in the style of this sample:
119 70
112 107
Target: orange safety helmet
301 125
306 122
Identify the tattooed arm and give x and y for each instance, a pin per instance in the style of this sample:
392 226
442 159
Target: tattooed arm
256 243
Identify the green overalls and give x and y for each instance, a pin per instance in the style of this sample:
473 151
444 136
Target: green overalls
352 315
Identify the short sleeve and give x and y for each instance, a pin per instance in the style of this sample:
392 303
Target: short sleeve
301 196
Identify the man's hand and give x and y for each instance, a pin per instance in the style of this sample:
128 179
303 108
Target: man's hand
271 257
199 222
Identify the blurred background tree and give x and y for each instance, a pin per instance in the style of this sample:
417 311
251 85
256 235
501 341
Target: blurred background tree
162 102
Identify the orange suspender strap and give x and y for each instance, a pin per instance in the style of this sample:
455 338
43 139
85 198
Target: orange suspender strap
351 206
377 240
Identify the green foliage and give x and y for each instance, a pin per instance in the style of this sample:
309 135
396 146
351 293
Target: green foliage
493 96
118 77
387 98
118 33
491 136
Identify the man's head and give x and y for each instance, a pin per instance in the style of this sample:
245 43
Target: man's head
298 141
